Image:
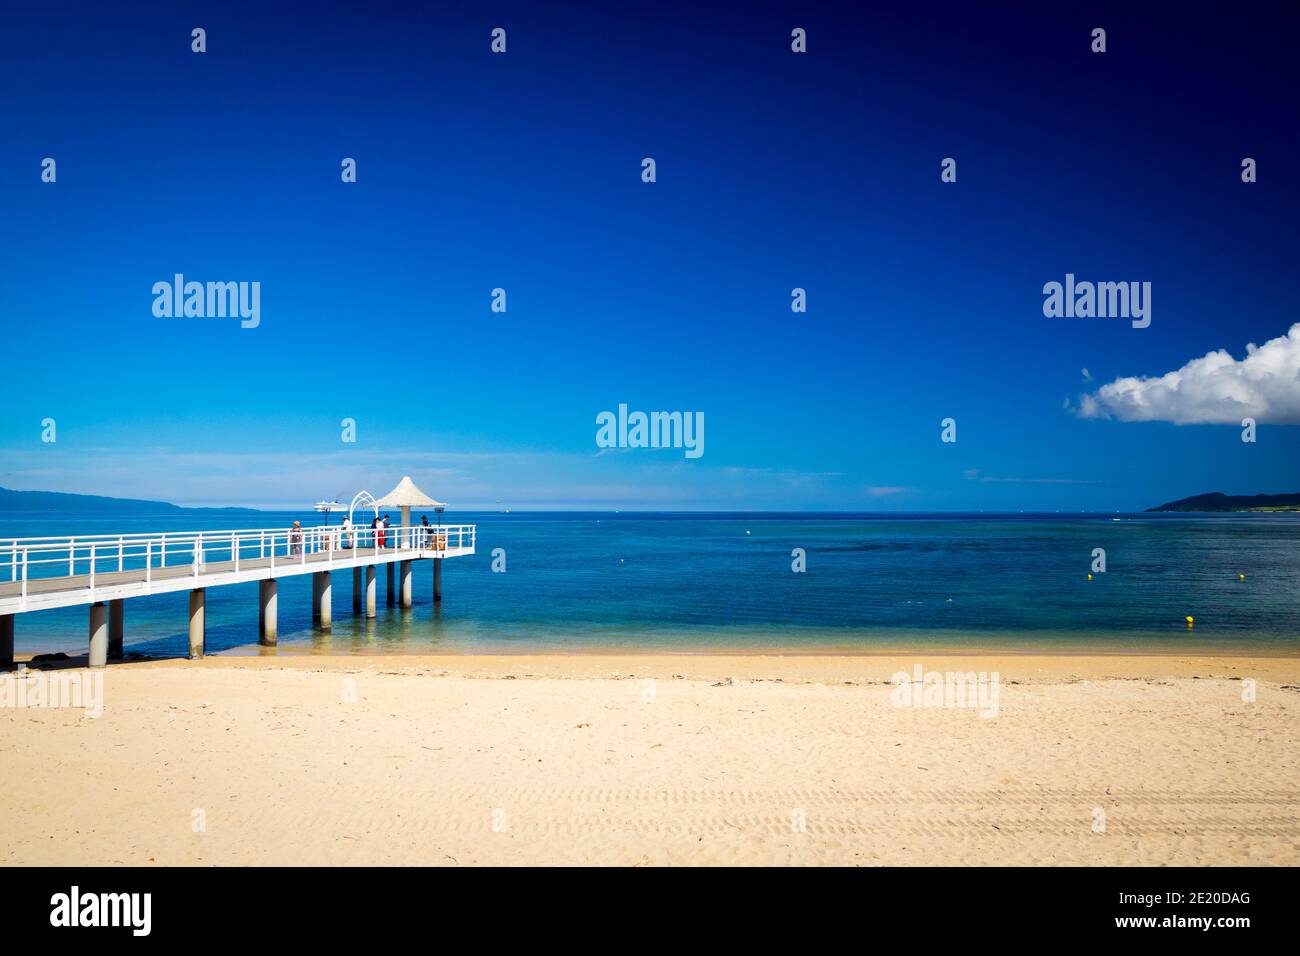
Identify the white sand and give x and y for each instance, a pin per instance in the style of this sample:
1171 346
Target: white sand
642 760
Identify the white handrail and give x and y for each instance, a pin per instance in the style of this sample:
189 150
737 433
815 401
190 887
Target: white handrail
44 557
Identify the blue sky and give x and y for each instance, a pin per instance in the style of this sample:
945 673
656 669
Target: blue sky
522 171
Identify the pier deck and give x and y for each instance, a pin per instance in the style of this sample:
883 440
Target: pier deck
71 590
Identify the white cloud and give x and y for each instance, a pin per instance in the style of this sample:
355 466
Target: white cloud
519 480
977 474
880 491
1214 390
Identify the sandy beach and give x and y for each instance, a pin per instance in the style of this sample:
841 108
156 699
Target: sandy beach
659 760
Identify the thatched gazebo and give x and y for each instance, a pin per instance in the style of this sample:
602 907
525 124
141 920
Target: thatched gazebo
407 496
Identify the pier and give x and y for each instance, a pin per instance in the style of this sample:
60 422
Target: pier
103 571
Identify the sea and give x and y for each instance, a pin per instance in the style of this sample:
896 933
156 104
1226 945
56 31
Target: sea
790 583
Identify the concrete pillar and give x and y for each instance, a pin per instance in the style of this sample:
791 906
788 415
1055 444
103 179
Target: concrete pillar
356 590
6 639
437 579
268 612
197 605
404 577
98 634
315 598
389 566
116 622
323 609
370 590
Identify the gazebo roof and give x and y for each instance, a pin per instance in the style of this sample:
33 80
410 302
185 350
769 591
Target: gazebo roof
406 495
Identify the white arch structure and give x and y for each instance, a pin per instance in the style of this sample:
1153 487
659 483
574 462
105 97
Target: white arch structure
364 498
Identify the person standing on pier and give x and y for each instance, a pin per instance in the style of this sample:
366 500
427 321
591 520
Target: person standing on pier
295 539
345 533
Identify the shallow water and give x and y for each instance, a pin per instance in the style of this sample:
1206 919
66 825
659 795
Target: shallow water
582 581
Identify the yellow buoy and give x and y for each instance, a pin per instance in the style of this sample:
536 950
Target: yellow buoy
1190 620
1241 577
1090 577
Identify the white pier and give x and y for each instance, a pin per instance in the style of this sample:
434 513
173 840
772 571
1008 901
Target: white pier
50 572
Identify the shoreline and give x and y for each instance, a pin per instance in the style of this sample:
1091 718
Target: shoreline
811 668
297 653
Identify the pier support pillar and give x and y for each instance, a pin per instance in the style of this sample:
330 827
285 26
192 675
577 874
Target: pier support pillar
268 612
389 566
370 590
98 634
6 639
323 607
198 603
404 577
116 622
437 579
356 590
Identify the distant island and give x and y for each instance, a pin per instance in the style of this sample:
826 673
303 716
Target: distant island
1218 501
11 500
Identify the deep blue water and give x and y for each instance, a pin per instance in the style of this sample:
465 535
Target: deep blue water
700 581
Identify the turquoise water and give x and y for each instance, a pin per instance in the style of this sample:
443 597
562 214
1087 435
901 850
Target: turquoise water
716 581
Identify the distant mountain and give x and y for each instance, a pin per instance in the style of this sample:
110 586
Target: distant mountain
58 501
1218 501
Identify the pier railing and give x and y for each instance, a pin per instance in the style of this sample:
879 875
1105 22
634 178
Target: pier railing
99 554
